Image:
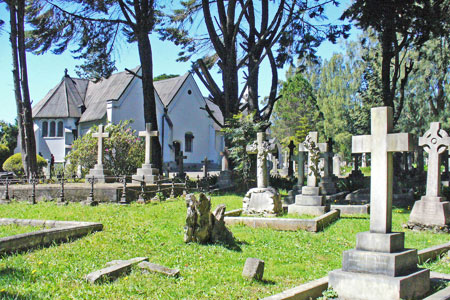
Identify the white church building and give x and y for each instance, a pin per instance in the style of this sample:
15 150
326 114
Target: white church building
74 105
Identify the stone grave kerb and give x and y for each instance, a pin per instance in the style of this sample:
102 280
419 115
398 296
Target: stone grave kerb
381 144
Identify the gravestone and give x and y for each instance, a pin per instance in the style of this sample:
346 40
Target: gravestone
147 173
179 157
205 166
291 147
99 172
253 269
380 267
274 170
311 201
337 161
327 181
296 189
432 209
263 199
224 179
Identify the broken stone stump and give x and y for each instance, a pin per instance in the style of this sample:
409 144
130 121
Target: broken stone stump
147 266
253 269
114 270
202 226
265 201
309 202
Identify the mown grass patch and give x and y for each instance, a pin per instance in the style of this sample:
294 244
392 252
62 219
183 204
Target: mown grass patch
156 231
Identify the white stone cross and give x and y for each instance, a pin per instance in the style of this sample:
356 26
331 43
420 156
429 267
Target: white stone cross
261 148
323 147
381 144
148 134
100 134
435 141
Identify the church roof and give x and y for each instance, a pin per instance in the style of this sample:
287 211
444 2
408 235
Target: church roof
167 89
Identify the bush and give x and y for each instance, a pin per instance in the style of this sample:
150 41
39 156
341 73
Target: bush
4 153
14 164
124 151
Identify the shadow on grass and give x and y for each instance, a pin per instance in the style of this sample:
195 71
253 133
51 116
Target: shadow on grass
267 282
10 296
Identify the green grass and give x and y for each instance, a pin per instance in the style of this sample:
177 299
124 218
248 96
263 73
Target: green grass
156 231
7 230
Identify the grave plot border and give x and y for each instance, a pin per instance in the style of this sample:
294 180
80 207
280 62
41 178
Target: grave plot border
57 231
313 225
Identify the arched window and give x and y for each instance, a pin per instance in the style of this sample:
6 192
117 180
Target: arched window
52 129
188 141
44 129
60 129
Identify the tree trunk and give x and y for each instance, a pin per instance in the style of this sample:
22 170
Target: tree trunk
145 56
386 45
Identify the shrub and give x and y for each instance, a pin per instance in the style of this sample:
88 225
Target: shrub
123 154
4 153
14 164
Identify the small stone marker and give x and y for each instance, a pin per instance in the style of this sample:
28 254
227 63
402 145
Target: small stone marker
432 209
253 269
179 157
145 265
224 179
147 172
114 270
380 267
98 171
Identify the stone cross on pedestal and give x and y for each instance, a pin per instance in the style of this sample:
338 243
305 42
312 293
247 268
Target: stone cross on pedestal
225 163
431 210
313 137
205 166
328 159
381 144
148 134
291 147
100 135
301 165
261 148
179 157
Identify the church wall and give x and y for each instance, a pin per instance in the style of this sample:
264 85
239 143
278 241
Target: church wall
187 116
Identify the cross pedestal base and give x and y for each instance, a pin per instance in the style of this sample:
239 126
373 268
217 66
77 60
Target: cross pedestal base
380 268
327 186
265 201
146 173
430 211
310 202
100 174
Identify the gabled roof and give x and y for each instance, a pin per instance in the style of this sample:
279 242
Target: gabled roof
63 100
168 88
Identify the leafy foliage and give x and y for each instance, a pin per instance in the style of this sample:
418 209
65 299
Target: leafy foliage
4 153
14 164
124 151
8 135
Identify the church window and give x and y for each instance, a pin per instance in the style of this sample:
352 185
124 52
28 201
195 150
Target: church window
188 140
44 129
189 92
60 129
52 129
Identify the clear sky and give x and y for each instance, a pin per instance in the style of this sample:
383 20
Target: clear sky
45 71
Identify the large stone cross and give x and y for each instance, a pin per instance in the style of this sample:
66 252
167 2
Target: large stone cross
323 147
261 148
179 157
205 166
148 134
381 144
100 134
435 141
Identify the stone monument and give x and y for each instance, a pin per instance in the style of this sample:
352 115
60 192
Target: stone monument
147 173
263 199
337 161
380 267
296 189
205 167
327 181
179 157
291 147
224 179
99 172
432 209
311 201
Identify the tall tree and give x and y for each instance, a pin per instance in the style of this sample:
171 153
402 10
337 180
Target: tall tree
400 25
95 26
241 35
20 77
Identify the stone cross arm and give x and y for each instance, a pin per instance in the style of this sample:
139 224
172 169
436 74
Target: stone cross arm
396 142
100 133
148 134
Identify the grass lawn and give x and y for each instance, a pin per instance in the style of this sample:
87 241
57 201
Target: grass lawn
156 231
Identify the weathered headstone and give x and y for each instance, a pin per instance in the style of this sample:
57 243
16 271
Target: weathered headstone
224 179
179 157
263 199
337 165
327 182
113 271
147 173
253 269
311 201
432 209
380 267
205 167
99 172
155 268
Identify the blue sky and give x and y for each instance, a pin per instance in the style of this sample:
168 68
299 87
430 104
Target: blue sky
45 71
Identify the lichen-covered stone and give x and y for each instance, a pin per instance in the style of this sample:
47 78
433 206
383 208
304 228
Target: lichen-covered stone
262 201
